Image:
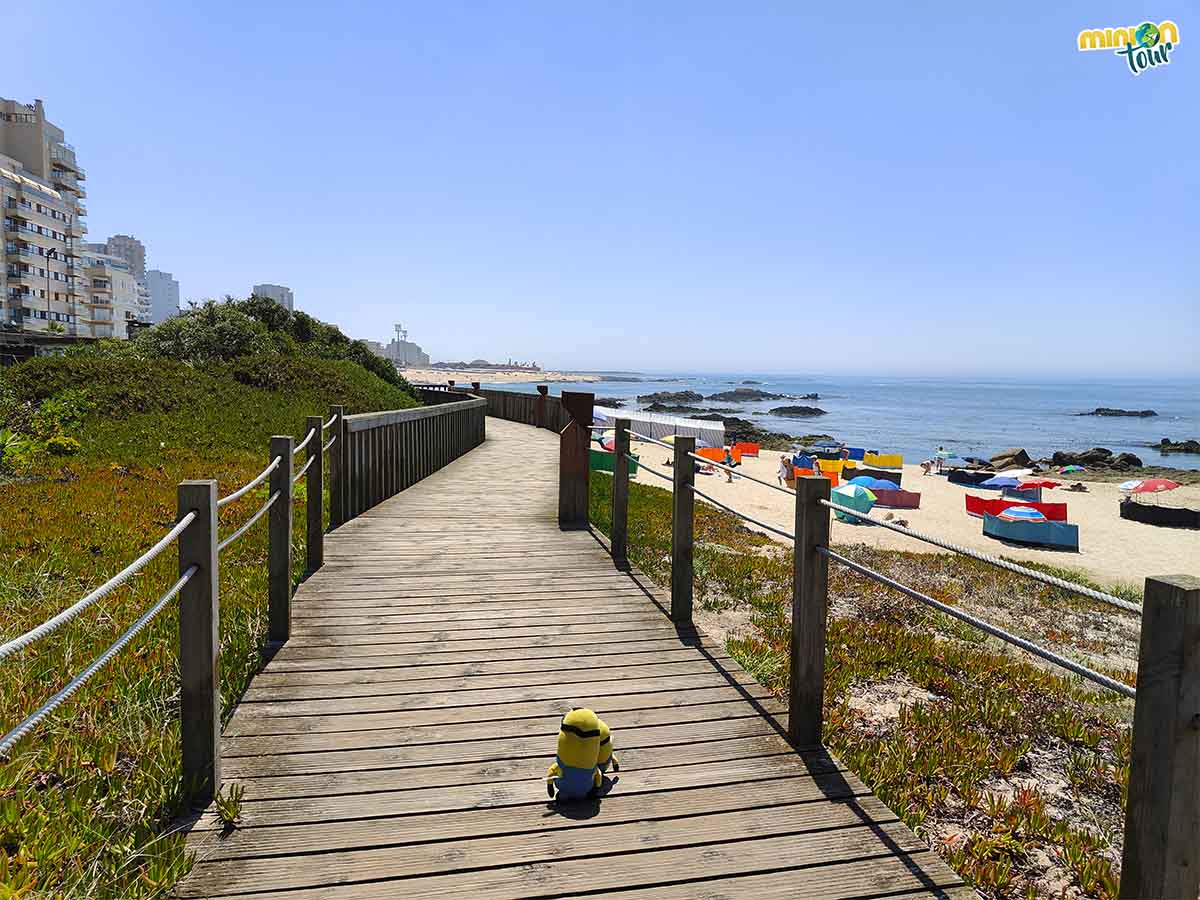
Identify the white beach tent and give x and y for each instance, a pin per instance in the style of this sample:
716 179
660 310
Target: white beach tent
659 426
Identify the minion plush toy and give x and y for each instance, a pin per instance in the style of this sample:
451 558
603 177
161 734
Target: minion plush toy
575 773
607 754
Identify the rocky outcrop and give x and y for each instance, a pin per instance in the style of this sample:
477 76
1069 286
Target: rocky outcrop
1166 445
737 429
685 410
610 402
671 397
1097 458
810 396
1109 411
797 412
744 394
751 381
1013 458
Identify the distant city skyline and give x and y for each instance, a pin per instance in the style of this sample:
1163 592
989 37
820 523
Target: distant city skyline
687 187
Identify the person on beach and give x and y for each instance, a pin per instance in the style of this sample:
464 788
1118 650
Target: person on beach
926 465
941 454
729 462
783 470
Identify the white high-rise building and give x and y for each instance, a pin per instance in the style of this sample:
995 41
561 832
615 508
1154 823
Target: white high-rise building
277 292
109 298
164 295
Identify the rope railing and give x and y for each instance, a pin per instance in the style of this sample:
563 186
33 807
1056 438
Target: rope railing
248 523
733 471
326 425
1050 580
995 631
330 443
649 440
303 469
304 443
246 488
741 515
53 624
642 465
31 722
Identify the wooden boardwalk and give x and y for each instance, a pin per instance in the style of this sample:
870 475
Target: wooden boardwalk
397 745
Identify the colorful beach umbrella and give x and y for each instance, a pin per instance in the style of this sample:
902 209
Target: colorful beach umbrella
1021 514
1154 486
1068 470
861 481
1129 485
1000 481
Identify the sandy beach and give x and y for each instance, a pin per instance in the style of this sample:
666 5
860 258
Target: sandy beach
491 376
1111 549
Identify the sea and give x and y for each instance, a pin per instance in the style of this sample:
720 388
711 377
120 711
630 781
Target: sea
969 417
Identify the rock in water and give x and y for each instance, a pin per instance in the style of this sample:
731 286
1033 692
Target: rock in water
797 412
1166 445
677 397
744 394
1012 458
1110 411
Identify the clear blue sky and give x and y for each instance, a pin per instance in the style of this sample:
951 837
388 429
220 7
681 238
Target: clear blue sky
909 188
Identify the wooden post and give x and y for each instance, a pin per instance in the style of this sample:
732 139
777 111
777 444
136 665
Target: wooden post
199 644
810 604
573 477
539 407
682 531
475 386
451 383
1162 815
620 496
314 485
337 486
279 529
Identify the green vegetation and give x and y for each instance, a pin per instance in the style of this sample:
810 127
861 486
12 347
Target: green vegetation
1014 773
91 449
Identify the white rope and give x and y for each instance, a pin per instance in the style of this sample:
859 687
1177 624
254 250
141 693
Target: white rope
1048 655
741 515
650 440
332 441
246 527
79 680
332 419
303 469
642 465
116 581
773 487
991 560
304 443
258 479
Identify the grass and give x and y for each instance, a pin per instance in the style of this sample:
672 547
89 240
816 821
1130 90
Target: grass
89 801
1014 773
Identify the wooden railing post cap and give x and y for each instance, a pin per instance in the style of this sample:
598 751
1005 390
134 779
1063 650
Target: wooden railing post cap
1185 583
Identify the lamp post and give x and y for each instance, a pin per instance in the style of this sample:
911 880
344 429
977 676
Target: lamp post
50 254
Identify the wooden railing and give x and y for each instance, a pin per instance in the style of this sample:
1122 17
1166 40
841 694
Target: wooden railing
384 453
540 410
1161 856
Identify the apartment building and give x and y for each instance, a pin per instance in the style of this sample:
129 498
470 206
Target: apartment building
41 199
109 297
164 295
129 249
277 292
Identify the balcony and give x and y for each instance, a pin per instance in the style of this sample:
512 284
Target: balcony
80 209
64 158
22 276
102 287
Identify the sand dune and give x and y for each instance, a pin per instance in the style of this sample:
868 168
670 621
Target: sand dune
1111 549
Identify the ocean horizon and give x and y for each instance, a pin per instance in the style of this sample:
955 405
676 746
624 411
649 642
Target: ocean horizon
970 416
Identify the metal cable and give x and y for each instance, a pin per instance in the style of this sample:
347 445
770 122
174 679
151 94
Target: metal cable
304 443
246 488
332 441
303 469
741 515
246 526
1048 655
773 487
1050 580
79 680
51 625
332 419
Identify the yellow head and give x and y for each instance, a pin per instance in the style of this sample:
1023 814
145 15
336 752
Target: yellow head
606 747
579 739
